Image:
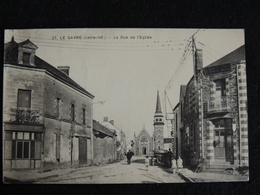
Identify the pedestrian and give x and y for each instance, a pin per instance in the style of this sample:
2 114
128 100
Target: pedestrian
146 163
129 156
179 164
174 165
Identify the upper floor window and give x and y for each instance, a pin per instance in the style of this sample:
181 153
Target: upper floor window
220 87
24 98
58 107
84 116
73 112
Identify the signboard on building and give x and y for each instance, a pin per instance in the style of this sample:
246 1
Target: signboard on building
167 140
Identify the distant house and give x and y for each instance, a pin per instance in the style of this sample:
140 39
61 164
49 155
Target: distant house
47 116
120 138
104 144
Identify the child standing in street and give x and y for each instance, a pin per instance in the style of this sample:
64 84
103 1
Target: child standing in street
174 165
179 164
146 163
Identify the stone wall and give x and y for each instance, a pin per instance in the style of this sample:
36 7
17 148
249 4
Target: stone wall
103 150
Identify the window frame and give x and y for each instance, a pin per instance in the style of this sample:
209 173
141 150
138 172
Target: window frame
19 96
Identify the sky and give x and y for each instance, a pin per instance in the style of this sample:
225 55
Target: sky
124 68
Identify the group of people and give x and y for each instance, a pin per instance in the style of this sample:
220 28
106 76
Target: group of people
177 165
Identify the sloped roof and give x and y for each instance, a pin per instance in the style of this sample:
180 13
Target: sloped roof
143 131
111 126
235 56
99 127
11 57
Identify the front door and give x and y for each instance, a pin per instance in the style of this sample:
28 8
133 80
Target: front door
223 144
229 145
219 144
82 150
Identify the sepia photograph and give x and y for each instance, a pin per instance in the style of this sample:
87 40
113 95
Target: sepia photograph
124 106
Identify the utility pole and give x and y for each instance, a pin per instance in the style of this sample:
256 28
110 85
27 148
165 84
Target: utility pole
198 82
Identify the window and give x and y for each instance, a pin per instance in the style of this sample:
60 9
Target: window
84 116
220 87
23 149
23 145
26 58
24 98
58 108
72 112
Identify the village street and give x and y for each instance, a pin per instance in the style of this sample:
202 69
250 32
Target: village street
119 172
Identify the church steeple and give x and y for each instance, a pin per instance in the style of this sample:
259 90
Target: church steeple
158 126
158 104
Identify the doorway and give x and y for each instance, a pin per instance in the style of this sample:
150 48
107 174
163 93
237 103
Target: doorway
144 151
223 140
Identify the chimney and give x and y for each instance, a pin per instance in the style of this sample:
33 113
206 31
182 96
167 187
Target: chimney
105 119
65 69
112 122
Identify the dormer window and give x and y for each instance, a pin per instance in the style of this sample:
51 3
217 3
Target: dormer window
26 52
26 58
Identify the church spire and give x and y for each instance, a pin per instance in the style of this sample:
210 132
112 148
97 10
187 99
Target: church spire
158 104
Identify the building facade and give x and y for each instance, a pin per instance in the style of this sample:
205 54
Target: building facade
215 129
47 116
104 144
120 138
143 143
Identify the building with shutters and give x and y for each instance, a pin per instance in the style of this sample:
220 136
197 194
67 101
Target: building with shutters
47 117
212 116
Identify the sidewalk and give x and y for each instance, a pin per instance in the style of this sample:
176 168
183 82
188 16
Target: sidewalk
212 176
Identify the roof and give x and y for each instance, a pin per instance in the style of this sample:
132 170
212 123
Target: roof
11 57
237 55
142 132
158 104
99 127
111 126
177 105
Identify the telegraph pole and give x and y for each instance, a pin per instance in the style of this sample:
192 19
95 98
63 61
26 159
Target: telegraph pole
198 82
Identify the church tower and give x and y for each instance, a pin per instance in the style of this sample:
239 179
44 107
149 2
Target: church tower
158 126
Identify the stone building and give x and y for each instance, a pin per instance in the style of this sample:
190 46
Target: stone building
214 130
158 126
47 116
104 144
143 143
120 138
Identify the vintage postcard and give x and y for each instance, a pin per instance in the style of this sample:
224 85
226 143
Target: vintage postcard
103 106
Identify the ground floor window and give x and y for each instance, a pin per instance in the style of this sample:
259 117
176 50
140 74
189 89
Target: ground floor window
25 145
23 149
